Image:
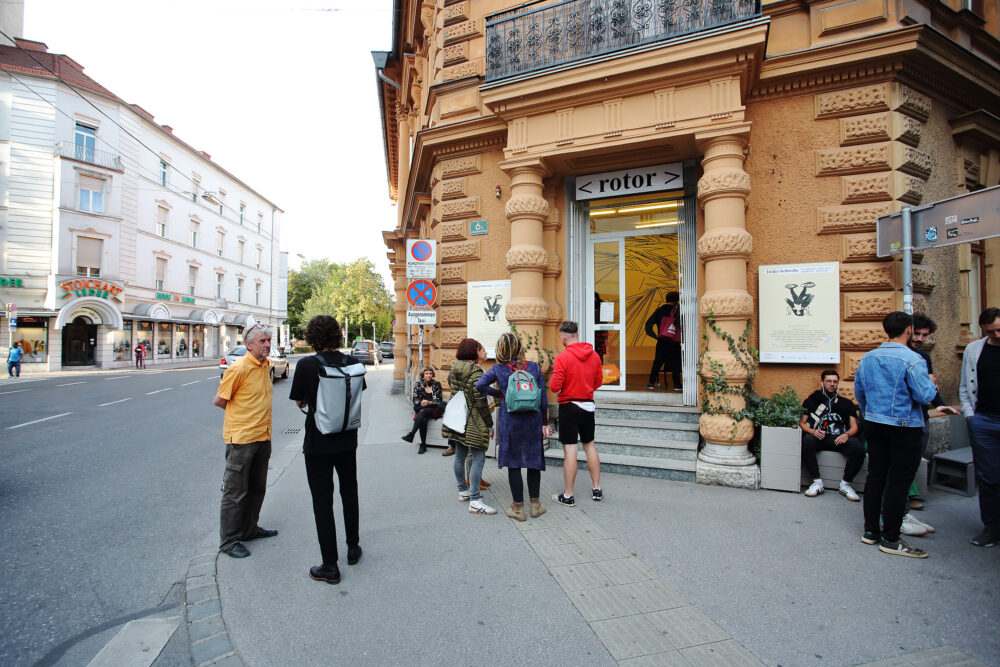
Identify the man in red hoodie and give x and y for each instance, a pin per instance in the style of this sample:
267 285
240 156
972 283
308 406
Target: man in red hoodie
576 375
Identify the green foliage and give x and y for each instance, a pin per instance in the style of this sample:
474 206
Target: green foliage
534 342
783 408
301 349
356 292
303 284
716 391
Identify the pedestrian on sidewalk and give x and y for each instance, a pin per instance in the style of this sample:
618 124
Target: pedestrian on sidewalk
140 356
892 386
519 434
14 356
576 376
474 441
667 320
245 394
325 453
428 400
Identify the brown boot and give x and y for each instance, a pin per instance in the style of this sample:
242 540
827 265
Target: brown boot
448 452
537 509
483 484
516 511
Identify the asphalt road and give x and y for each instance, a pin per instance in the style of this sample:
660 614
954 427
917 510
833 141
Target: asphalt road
108 484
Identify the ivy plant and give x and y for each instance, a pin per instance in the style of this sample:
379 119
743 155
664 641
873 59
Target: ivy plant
717 390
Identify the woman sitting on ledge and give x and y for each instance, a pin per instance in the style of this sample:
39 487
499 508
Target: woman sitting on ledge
427 405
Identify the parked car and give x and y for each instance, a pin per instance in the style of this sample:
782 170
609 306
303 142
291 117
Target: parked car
387 348
367 352
279 362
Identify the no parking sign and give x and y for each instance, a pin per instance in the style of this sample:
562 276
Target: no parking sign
421 258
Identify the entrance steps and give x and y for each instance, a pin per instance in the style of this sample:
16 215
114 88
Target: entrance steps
641 433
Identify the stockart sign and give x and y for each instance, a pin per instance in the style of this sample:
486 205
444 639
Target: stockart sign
799 313
101 289
486 318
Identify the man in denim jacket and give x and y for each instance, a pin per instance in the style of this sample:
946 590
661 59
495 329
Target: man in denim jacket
980 395
891 385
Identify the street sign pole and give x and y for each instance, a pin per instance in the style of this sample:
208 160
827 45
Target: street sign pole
420 348
907 260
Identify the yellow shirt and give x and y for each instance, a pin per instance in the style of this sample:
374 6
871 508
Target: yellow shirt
248 388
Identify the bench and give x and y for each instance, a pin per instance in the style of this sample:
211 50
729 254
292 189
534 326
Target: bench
953 471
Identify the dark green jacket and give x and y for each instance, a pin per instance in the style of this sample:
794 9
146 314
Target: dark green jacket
463 376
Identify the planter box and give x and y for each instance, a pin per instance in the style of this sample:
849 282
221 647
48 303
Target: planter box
780 458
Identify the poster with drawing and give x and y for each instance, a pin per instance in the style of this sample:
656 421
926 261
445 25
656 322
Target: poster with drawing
486 318
799 313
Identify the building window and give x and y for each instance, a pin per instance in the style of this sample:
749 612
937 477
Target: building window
194 234
88 256
260 255
161 272
163 173
220 240
161 221
91 197
256 294
195 187
239 290
260 221
218 285
85 140
192 279
242 248
243 208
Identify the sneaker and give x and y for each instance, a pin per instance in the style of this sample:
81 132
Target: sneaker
648 386
911 528
848 492
477 506
563 500
871 537
815 489
463 496
914 520
901 548
985 539
408 437
598 495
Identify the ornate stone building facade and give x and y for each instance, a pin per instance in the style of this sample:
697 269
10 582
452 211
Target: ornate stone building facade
787 129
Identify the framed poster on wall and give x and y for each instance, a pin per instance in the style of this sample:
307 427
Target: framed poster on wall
486 316
799 313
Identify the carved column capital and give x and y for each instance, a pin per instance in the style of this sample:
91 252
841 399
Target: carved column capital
725 182
725 242
526 206
527 257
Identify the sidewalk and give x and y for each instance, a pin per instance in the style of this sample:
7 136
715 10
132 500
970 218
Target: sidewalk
659 573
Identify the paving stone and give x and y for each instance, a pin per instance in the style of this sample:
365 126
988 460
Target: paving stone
597 604
212 648
201 569
942 656
726 653
206 627
555 517
626 570
562 554
654 595
579 577
205 558
687 626
889 662
203 594
585 530
199 581
665 659
229 661
196 612
547 537
630 636
599 550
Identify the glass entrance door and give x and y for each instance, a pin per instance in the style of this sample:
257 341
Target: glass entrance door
606 268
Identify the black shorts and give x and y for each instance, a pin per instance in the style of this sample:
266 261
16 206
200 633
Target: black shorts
575 424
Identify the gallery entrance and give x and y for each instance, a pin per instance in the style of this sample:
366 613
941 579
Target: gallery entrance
635 249
79 342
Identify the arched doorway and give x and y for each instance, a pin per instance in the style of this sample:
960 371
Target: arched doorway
79 342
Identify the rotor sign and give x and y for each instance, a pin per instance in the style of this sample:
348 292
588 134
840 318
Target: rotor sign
421 294
421 258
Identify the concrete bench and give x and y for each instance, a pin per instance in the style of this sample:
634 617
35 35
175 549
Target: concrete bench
954 472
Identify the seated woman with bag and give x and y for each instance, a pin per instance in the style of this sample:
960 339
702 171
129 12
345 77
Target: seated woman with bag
428 404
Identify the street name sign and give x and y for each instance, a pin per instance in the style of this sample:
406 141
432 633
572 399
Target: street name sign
655 178
970 217
421 258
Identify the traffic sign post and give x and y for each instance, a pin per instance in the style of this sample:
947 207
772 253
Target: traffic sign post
421 269
421 258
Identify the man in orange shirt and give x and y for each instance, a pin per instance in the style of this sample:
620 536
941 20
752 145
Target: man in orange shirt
245 394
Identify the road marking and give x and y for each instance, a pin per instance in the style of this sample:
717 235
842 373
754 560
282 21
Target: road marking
187 383
121 400
148 393
120 377
70 384
43 419
16 391
138 644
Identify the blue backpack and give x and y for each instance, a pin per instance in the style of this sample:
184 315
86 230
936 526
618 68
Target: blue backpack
523 393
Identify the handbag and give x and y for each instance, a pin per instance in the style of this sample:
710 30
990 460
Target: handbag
668 327
456 413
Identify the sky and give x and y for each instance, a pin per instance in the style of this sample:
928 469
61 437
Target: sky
281 94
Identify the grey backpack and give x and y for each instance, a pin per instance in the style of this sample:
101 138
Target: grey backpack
338 396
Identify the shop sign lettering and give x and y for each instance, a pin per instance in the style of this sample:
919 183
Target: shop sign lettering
11 282
162 296
91 287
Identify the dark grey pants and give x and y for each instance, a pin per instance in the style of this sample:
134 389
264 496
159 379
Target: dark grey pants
243 489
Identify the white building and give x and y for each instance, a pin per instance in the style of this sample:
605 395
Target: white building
115 233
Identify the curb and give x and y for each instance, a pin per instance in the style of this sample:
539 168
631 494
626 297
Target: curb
207 631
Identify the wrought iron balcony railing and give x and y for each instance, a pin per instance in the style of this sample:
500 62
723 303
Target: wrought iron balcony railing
74 151
534 37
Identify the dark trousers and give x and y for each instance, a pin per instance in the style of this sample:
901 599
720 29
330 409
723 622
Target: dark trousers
668 357
517 485
319 472
243 489
853 450
893 459
421 419
14 368
984 432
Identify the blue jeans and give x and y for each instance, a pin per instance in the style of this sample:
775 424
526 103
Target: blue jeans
984 438
478 457
14 366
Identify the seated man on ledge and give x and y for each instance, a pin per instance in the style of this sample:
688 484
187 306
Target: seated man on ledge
830 423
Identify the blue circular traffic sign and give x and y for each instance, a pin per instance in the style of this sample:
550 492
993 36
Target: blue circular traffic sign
421 251
421 294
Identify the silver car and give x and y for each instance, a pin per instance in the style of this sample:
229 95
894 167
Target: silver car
279 362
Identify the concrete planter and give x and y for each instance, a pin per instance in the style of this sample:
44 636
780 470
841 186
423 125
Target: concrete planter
780 458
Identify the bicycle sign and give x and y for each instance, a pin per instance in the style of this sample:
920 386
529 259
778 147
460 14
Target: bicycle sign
421 258
421 294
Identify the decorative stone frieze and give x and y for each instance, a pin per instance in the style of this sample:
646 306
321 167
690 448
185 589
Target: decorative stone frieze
454 230
884 186
527 257
852 101
866 277
456 13
553 265
861 339
851 218
454 188
849 365
923 279
910 160
846 389
912 103
459 208
454 316
526 310
859 248
462 70
613 117
726 304
732 368
725 242
666 114
853 159
723 182
459 252
718 429
866 307
452 294
526 205
455 54
564 126
463 31
446 359
452 273
452 337
890 125
517 135
460 166
555 313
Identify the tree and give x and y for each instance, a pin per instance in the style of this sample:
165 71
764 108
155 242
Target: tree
357 293
303 284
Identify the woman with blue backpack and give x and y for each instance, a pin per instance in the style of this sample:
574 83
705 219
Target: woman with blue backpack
522 421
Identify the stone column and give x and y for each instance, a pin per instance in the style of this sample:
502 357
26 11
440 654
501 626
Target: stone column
527 258
403 156
724 249
550 230
399 328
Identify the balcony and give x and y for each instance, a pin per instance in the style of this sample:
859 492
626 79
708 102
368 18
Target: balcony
531 37
68 149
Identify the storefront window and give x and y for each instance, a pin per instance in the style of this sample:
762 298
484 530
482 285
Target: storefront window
197 340
164 340
239 335
121 346
144 336
182 335
32 332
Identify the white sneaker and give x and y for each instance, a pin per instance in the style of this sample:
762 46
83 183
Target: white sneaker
911 527
917 522
815 488
479 507
463 496
848 492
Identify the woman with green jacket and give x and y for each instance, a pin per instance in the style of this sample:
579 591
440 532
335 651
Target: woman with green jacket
478 425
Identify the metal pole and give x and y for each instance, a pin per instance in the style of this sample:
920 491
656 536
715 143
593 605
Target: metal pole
907 261
346 324
420 347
